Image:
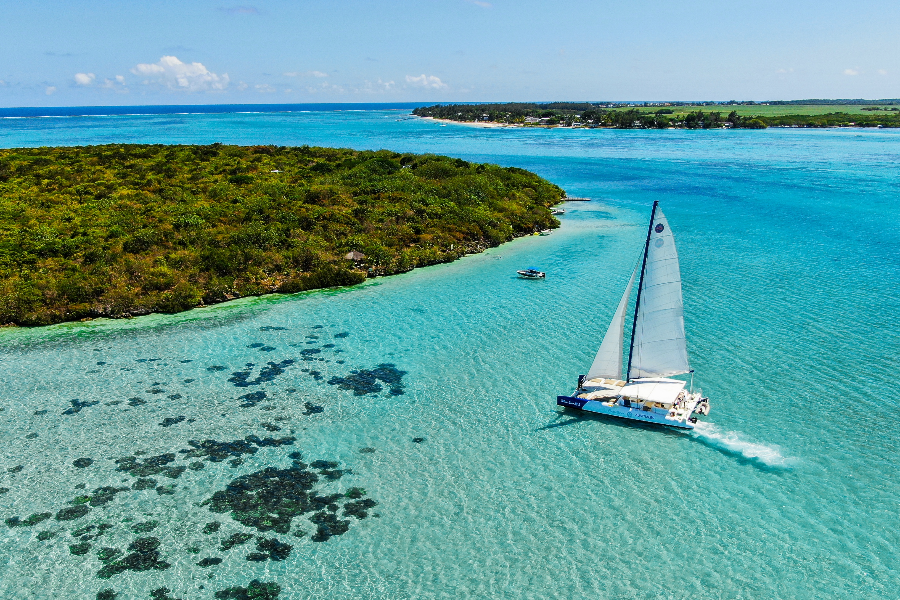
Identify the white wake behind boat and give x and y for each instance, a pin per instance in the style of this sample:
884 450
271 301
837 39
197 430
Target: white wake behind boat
658 348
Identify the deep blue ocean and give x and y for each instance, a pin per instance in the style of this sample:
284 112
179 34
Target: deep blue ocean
789 489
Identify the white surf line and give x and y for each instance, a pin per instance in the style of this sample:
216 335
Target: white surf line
734 442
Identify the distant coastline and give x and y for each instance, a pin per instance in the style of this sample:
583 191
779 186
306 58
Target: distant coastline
584 115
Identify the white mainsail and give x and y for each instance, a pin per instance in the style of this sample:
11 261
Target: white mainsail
658 347
608 362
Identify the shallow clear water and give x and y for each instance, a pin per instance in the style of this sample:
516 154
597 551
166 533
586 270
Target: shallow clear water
788 490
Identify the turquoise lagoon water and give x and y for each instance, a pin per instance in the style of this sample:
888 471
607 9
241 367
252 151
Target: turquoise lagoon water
789 489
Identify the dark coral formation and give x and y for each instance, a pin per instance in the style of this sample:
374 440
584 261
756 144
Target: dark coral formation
144 484
82 463
104 495
212 527
235 539
268 500
144 555
209 561
255 590
266 374
355 493
359 508
311 409
271 549
216 451
162 594
365 381
328 525
154 465
169 421
107 554
73 512
77 405
144 527
252 399
29 522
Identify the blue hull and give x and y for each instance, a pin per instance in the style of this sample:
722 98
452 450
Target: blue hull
623 412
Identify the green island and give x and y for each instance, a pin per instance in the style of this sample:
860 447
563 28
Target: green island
122 230
679 115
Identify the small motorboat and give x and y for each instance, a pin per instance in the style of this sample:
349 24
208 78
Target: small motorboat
531 273
557 211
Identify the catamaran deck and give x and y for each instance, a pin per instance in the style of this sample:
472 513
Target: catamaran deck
659 391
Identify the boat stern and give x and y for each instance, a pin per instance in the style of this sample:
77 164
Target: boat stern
571 402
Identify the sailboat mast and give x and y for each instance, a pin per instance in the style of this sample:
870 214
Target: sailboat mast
637 303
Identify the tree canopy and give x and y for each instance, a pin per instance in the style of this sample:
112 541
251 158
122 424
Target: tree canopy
119 230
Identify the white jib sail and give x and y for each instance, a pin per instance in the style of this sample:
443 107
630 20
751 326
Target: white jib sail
608 362
659 348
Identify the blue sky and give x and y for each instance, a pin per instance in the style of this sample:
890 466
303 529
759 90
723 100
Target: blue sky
104 52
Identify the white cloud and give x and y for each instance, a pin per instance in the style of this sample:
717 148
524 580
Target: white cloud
176 75
882 72
429 81
851 71
325 87
50 90
479 3
305 74
117 83
241 86
264 88
785 71
376 88
84 78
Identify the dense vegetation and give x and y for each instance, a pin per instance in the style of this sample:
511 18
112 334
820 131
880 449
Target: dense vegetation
122 230
656 116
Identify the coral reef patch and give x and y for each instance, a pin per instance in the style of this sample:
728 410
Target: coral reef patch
266 374
77 405
366 381
255 590
144 556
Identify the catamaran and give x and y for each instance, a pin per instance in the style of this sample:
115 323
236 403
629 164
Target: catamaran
658 348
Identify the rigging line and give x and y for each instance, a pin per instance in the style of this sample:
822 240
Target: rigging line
637 304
